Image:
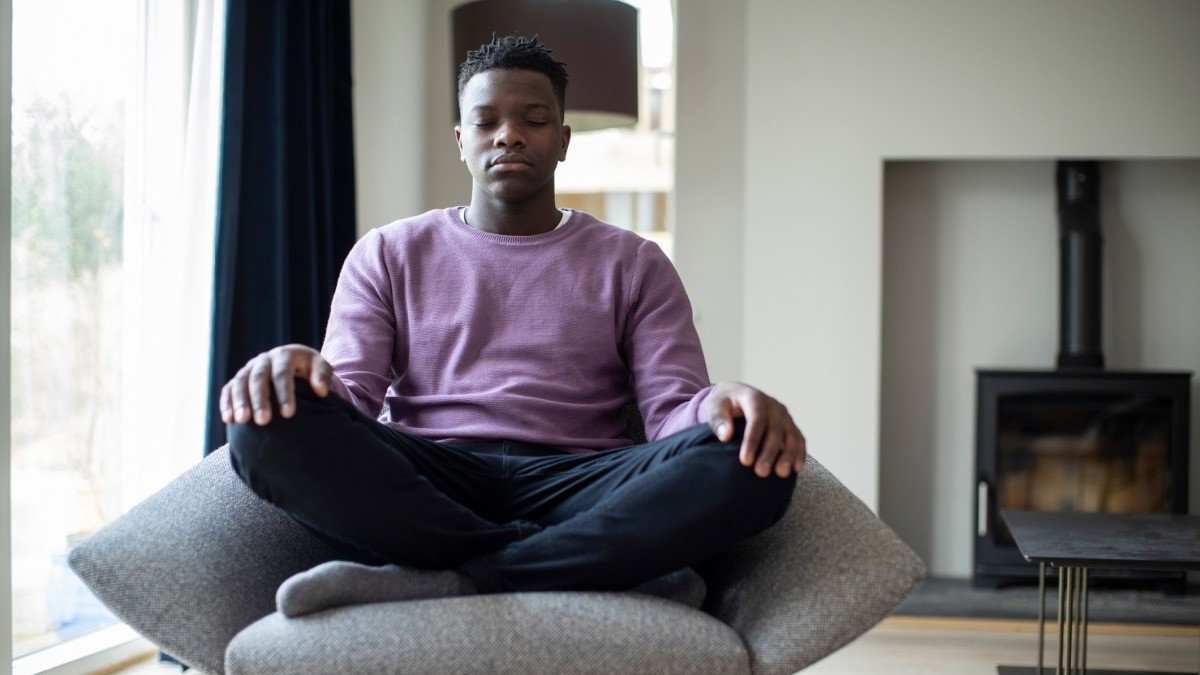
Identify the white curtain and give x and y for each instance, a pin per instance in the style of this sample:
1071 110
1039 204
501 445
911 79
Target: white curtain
172 159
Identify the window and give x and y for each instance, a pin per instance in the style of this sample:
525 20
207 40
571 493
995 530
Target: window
626 176
114 131
67 222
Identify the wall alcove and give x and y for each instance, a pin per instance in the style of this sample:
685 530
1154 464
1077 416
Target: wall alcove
970 280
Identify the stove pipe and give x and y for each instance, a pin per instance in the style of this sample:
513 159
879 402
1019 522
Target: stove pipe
1080 245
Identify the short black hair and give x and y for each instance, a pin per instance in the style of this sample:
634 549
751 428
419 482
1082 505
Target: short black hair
516 52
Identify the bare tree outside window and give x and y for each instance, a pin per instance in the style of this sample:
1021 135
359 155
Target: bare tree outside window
70 62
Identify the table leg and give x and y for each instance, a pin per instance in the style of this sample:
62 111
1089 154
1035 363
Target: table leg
1062 612
1073 625
1081 617
1041 616
1072 620
1083 645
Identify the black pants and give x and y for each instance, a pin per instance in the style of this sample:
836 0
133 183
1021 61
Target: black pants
511 516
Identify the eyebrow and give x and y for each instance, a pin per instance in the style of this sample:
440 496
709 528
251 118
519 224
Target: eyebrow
484 107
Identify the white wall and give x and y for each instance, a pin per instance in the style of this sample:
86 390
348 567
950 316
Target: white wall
828 91
835 88
709 172
389 132
405 158
971 280
447 182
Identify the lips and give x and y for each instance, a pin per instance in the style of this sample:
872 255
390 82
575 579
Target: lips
510 158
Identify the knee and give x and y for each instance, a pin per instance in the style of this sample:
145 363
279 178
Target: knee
762 500
741 482
249 441
294 448
777 497
258 452
280 441
269 460
247 449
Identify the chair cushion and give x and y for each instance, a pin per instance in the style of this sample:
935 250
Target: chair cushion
522 633
196 562
200 560
828 571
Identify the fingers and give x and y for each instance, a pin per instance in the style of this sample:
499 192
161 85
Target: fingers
791 458
752 438
259 387
235 401
720 419
226 403
288 363
321 376
283 373
771 442
248 395
801 453
770 450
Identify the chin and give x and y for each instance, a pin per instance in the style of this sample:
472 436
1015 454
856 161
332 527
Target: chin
513 193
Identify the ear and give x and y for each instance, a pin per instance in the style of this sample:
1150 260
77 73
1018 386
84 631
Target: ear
458 142
566 141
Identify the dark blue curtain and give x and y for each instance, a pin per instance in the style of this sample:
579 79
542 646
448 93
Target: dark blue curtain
286 216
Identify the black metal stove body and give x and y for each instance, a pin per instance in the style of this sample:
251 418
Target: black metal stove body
1078 438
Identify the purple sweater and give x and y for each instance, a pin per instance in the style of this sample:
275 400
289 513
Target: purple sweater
468 334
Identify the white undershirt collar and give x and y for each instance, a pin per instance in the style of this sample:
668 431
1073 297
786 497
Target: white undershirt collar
566 215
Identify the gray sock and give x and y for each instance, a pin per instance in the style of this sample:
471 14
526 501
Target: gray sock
339 583
684 585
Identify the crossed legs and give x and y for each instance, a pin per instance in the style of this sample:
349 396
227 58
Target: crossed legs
511 517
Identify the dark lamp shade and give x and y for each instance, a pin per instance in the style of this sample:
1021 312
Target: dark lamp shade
596 39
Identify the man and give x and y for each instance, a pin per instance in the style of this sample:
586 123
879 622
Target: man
505 338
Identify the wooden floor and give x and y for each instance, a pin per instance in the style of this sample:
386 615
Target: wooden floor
916 646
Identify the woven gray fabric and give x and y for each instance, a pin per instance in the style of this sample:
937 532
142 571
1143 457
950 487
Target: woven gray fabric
523 634
196 562
820 577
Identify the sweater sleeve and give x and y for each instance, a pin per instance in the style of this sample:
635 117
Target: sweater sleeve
662 347
361 338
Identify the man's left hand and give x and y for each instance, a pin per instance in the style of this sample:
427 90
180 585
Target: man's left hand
771 440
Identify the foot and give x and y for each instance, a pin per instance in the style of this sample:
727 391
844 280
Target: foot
340 583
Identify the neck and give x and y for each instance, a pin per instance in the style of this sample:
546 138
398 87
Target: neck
522 219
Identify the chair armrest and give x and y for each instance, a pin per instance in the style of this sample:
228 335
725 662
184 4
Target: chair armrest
196 562
827 572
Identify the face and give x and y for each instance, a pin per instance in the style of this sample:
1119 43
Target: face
511 136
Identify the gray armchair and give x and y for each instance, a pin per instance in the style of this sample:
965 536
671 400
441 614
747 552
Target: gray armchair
195 567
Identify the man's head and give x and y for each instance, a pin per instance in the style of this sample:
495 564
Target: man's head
513 52
512 135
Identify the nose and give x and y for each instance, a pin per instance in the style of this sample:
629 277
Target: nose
510 135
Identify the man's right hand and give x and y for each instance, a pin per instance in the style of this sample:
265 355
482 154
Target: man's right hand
250 390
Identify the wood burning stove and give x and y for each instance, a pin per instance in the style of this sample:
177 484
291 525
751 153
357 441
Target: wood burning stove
1079 438
1099 441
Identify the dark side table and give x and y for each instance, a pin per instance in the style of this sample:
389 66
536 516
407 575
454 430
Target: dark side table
1076 542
